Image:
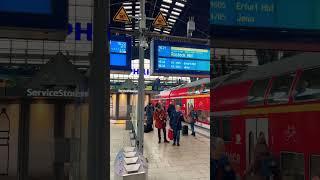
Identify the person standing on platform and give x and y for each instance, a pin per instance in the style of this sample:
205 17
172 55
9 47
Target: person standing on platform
193 119
149 109
171 110
160 122
176 125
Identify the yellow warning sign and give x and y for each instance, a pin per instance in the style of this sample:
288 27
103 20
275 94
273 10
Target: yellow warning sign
160 21
121 16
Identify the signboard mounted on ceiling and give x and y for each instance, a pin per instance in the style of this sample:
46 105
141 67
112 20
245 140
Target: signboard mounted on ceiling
270 24
176 59
120 54
34 19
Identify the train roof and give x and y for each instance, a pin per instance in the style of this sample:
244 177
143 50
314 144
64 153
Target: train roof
276 68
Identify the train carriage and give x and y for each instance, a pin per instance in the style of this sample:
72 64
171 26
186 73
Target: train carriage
195 94
280 100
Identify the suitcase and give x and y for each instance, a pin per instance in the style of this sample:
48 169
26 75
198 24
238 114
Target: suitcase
170 134
185 130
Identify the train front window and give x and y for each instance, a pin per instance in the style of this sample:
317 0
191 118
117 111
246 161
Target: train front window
257 91
279 92
292 165
308 87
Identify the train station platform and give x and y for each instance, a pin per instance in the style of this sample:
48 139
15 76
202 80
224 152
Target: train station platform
189 161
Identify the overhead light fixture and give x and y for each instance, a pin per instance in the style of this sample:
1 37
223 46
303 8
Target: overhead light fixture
137 7
167 1
179 4
167 32
165 6
156 29
164 10
171 23
177 9
129 12
127 3
173 17
164 14
127 7
128 28
175 13
172 20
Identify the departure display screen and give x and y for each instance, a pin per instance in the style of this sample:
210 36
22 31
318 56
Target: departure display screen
120 53
285 14
181 58
26 6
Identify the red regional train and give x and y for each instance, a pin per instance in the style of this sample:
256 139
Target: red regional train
195 94
281 100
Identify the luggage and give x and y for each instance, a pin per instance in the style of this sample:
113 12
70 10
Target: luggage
170 134
185 130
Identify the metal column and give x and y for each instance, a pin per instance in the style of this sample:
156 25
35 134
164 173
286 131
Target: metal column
142 46
98 153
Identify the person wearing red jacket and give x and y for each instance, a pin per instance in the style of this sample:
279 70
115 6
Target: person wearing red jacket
160 119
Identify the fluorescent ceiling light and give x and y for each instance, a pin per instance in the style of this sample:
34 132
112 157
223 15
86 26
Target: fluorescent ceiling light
127 3
173 17
175 13
172 20
167 32
167 1
177 9
171 23
179 4
127 7
156 29
164 10
137 7
128 28
165 6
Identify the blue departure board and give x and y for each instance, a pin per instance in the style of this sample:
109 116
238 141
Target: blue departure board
180 58
26 6
284 14
120 53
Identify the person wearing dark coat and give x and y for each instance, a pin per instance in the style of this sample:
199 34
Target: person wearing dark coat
149 112
160 119
176 125
171 109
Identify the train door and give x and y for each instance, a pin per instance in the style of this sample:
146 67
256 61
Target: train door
4 143
254 127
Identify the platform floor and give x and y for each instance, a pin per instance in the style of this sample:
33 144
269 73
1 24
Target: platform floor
190 161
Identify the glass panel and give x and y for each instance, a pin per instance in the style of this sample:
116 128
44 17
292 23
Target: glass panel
280 89
292 165
257 92
314 166
308 87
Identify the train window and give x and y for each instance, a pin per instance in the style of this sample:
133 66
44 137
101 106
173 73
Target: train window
314 166
226 128
257 91
292 165
308 87
279 92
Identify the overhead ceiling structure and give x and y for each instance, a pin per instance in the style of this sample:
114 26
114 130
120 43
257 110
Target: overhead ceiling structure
177 13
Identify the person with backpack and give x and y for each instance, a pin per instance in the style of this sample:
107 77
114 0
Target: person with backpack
176 125
149 109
